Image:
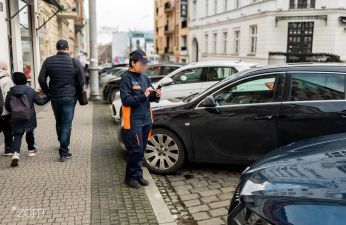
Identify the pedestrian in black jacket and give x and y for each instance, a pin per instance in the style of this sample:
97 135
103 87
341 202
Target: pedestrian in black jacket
63 72
27 125
136 93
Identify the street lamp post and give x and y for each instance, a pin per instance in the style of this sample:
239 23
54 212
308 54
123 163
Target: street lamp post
94 78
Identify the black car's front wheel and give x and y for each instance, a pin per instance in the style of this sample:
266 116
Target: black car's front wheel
165 152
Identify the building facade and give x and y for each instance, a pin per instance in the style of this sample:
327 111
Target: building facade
249 30
125 42
30 29
171 33
68 24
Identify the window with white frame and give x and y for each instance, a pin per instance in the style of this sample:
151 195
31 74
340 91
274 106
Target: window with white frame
253 39
206 36
225 41
302 4
194 10
214 42
236 41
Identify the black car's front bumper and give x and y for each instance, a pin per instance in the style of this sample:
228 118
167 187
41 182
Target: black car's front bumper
239 214
234 208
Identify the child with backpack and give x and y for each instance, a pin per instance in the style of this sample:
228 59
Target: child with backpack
20 103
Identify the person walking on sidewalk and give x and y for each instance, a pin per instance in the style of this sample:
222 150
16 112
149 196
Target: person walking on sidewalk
20 103
5 83
136 92
62 71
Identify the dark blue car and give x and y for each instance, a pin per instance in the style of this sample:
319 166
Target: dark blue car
303 183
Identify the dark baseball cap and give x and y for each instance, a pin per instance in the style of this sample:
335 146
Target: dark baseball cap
139 55
62 45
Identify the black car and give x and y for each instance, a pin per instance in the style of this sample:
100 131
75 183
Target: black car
249 114
303 183
155 72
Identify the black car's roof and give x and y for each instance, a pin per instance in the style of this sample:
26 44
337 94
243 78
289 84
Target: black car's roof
308 67
311 67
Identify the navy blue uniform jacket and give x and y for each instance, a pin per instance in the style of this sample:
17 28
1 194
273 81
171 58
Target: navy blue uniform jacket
135 105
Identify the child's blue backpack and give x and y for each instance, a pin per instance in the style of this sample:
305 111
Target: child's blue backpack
21 108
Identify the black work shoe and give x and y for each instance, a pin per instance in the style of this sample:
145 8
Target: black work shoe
133 183
64 159
142 181
68 155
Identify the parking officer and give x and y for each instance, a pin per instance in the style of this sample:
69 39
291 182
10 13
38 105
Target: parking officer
136 92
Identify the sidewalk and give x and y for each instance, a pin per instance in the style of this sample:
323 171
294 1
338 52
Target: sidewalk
89 189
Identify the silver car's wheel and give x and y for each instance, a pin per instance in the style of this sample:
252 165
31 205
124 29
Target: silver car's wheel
164 152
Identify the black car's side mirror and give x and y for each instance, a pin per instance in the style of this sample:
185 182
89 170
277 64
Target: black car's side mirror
208 102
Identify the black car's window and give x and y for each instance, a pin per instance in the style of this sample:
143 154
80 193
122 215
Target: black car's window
251 91
168 69
314 87
220 73
187 76
153 71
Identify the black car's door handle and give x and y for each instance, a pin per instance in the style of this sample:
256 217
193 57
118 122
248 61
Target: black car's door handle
264 117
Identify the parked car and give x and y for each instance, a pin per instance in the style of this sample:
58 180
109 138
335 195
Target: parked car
196 77
111 75
303 183
106 69
154 72
191 79
249 114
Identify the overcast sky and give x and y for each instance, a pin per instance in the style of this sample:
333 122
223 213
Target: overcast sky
125 14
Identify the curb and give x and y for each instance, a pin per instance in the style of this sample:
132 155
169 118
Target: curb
161 210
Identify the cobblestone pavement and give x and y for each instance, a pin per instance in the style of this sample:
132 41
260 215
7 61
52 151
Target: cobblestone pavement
43 190
200 194
88 189
112 201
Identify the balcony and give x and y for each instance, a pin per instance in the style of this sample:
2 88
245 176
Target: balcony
79 23
169 7
68 15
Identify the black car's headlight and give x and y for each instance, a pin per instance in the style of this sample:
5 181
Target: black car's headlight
248 217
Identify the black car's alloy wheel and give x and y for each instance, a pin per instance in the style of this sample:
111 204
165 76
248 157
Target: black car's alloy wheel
165 152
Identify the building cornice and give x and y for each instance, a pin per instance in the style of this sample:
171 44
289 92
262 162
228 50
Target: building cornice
286 13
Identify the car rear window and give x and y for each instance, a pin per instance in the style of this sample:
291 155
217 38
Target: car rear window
313 87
